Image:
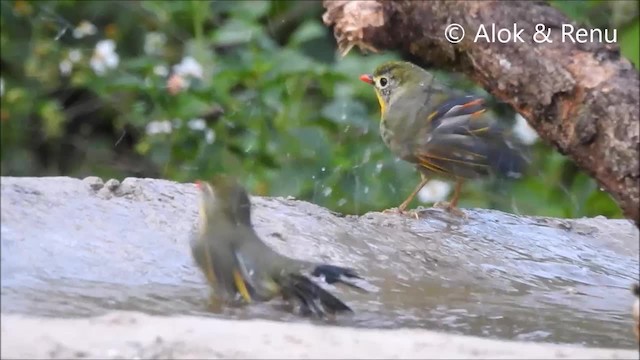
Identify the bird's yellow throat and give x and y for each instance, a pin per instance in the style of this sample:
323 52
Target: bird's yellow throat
381 102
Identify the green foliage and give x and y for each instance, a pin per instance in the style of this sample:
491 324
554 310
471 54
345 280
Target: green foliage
621 15
274 105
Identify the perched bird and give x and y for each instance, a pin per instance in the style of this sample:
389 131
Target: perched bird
442 133
240 267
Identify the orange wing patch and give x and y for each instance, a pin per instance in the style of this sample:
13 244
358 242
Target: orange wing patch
473 103
477 114
447 108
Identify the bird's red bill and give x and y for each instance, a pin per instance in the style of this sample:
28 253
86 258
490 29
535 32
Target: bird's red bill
367 78
198 184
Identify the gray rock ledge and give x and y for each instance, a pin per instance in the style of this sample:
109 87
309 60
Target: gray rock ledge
74 251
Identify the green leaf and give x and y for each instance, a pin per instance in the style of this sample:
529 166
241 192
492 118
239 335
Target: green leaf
310 142
53 119
309 30
601 203
629 42
235 32
125 82
345 111
288 62
250 9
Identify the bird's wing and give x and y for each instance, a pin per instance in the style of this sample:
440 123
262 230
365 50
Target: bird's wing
216 260
336 274
463 141
454 154
249 276
456 113
255 261
313 298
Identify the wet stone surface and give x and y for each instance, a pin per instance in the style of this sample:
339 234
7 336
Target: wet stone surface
74 248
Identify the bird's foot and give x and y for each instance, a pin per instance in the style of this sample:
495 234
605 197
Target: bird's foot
414 214
411 213
215 304
393 211
450 209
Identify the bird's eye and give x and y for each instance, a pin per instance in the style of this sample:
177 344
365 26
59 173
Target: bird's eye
383 82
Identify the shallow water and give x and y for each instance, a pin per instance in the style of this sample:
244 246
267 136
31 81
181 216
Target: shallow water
67 252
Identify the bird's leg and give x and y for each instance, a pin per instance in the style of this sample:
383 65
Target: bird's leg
423 181
215 303
403 206
456 194
451 206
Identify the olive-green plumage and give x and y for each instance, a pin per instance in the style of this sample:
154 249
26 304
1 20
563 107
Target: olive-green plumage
212 247
442 133
239 265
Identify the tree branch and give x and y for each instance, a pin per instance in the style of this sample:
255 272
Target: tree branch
581 98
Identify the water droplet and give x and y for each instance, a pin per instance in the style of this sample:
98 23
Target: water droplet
379 167
323 169
366 189
327 191
342 201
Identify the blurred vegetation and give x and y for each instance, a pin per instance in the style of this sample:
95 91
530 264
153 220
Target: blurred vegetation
274 105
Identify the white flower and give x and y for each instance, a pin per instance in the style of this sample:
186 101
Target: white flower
197 124
153 43
524 131
434 191
210 136
104 57
74 55
83 29
159 127
189 67
182 73
160 70
65 67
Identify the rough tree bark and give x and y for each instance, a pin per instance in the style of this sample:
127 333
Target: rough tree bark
583 98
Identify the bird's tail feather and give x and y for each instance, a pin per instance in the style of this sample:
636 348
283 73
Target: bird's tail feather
508 161
335 274
312 297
